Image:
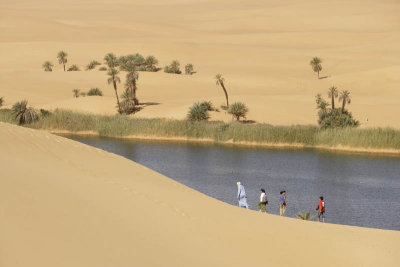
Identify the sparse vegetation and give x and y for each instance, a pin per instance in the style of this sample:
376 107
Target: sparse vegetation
74 68
76 92
83 94
220 80
238 110
24 114
1 101
47 66
219 132
305 215
95 92
150 64
92 65
198 112
173 67
316 65
189 69
62 58
102 68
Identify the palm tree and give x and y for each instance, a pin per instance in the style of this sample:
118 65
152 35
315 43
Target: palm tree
316 65
345 98
131 77
111 61
76 92
114 79
238 110
220 81
333 93
322 105
150 63
305 215
23 113
48 66
62 58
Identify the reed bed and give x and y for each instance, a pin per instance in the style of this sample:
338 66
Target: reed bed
219 132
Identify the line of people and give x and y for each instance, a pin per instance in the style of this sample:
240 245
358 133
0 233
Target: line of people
282 202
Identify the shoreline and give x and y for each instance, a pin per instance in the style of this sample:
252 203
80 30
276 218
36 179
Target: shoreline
291 146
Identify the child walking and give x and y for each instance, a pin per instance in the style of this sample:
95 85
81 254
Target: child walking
263 201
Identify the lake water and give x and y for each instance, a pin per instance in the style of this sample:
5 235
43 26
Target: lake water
358 190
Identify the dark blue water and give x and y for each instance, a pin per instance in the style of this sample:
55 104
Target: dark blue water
358 190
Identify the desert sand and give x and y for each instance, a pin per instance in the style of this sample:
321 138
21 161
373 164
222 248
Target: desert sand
262 48
64 203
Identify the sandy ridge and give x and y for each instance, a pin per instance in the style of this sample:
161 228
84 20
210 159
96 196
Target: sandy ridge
69 204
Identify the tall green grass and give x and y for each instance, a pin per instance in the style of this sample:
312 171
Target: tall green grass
120 126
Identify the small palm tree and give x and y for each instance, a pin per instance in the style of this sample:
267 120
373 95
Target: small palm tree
111 60
197 112
316 65
173 67
114 79
189 69
95 92
62 58
221 81
333 93
1 101
48 66
322 105
238 110
305 215
345 98
151 63
131 77
76 92
24 114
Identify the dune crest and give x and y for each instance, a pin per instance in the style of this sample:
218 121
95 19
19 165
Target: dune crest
67 204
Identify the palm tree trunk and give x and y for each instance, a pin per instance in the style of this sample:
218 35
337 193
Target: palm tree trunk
226 94
134 92
343 104
333 102
318 74
116 94
64 66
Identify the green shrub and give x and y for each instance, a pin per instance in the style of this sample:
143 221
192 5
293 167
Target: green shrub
82 94
102 68
238 110
189 69
197 112
92 65
24 114
173 67
73 68
95 91
338 119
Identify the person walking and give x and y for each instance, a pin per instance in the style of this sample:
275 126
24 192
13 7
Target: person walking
282 203
321 209
263 201
241 196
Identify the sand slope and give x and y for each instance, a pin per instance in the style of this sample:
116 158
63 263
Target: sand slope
63 203
263 48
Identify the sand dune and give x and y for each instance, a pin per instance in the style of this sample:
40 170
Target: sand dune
262 48
67 204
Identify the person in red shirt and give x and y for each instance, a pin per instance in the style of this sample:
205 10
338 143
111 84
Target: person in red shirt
321 209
